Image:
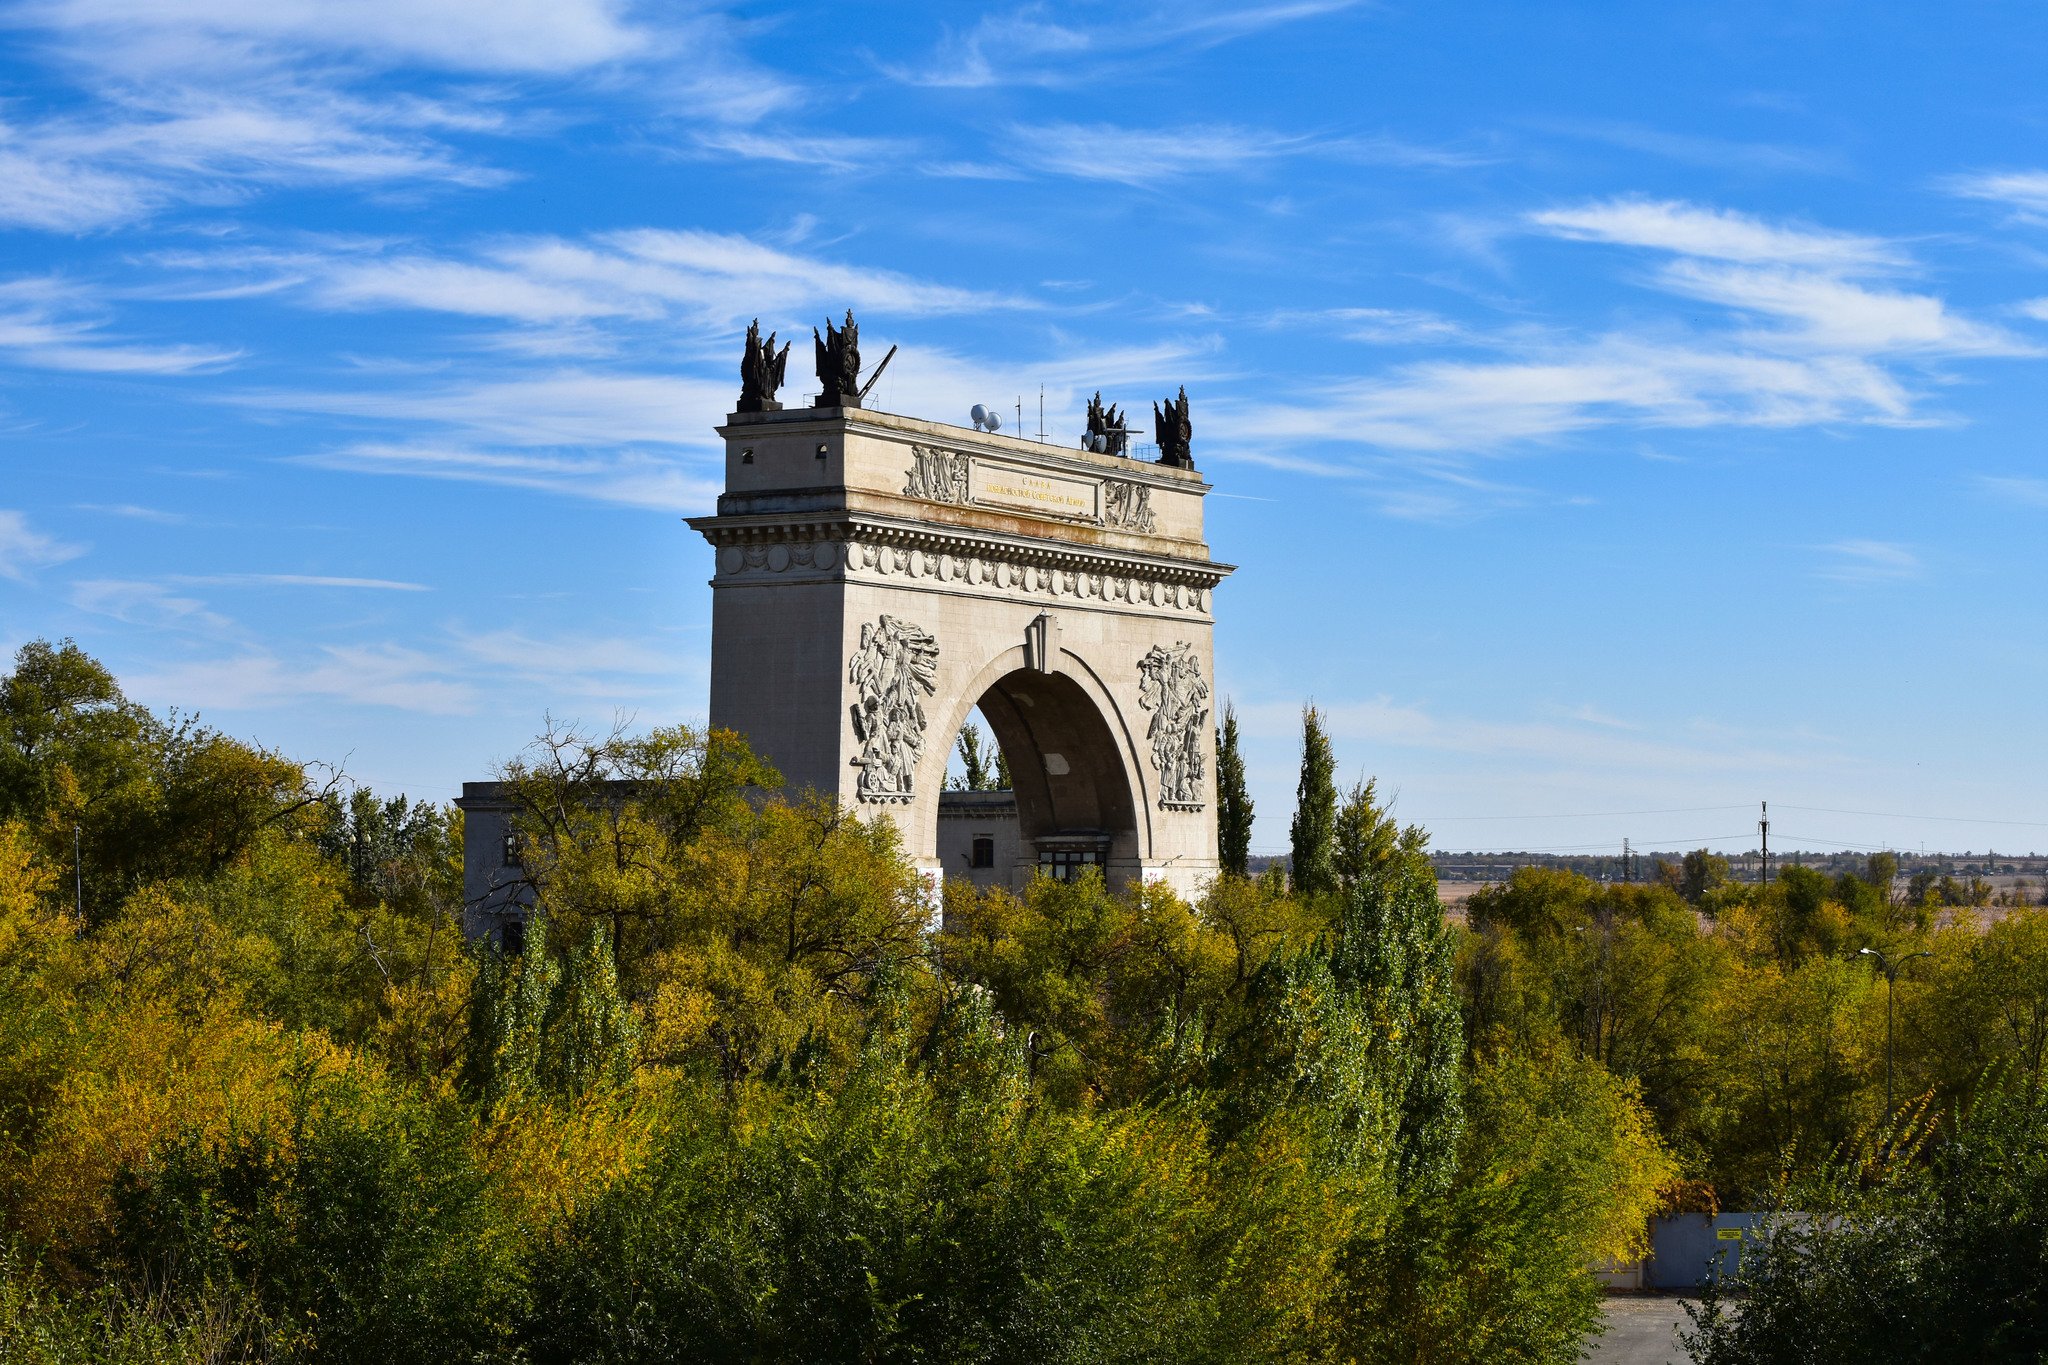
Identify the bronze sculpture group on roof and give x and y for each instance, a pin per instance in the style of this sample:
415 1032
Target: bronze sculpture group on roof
839 386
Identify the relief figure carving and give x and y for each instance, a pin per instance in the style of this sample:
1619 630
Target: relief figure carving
1127 506
893 670
1170 686
937 475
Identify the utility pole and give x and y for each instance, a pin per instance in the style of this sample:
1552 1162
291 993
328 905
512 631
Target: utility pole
1628 873
1763 826
1891 986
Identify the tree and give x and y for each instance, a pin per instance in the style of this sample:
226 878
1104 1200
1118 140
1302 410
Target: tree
1233 801
1367 839
1702 872
1900 1261
986 768
1312 836
148 799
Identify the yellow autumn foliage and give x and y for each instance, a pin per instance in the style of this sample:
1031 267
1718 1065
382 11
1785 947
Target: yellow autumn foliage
145 1074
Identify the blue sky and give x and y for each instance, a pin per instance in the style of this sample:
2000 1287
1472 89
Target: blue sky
1629 409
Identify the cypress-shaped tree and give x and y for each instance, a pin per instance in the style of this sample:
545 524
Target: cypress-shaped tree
1233 802
1313 833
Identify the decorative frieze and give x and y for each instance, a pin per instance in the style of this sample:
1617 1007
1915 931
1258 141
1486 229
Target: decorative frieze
893 670
961 563
1170 686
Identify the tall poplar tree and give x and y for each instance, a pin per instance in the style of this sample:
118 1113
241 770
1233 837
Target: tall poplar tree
1313 833
1233 802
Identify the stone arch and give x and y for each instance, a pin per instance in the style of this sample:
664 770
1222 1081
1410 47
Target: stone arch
879 576
1073 757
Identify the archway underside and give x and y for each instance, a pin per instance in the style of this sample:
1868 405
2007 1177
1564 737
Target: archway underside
1076 803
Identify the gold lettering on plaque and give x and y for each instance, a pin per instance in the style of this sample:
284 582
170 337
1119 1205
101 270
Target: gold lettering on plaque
1007 486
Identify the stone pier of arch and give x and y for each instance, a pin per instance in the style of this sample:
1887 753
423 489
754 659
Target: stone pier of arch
878 577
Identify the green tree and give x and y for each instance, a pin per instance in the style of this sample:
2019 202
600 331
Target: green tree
985 767
1698 873
1233 799
1312 836
1899 1261
145 799
1366 838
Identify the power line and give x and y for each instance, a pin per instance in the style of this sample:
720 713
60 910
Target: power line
1586 815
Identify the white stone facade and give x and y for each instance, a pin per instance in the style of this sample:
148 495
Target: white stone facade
879 576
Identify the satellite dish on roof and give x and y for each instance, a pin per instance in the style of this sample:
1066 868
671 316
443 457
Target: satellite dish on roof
986 418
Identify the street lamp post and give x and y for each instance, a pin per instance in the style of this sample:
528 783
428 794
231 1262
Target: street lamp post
1891 983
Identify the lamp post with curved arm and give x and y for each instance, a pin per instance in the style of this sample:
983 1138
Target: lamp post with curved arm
1891 983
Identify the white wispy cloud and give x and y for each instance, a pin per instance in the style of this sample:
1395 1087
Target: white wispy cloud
1384 722
1868 562
2026 191
1479 407
206 101
628 478
386 675
610 668
23 549
710 281
1808 338
144 603
1827 312
140 152
297 580
564 407
1696 149
2032 492
833 152
455 674
1030 47
1715 234
1146 156
132 512
49 325
509 36
1375 326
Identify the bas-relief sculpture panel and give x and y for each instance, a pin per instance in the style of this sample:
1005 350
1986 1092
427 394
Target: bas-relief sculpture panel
1171 688
893 670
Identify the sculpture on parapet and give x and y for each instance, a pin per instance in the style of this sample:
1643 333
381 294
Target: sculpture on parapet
1174 432
761 371
838 364
1106 434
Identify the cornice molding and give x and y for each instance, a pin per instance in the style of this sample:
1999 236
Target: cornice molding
958 543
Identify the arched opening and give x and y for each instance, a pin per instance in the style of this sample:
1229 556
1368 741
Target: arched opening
1070 805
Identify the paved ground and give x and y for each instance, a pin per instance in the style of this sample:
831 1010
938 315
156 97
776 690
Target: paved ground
1639 1331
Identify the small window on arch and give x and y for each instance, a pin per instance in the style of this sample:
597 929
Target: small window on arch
513 850
984 851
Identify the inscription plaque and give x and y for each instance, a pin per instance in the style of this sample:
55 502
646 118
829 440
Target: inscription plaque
1027 490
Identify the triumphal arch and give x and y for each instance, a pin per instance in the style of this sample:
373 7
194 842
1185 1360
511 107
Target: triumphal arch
880 576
